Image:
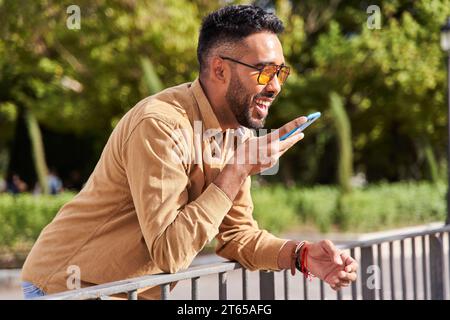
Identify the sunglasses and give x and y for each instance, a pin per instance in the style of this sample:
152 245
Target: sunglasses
267 71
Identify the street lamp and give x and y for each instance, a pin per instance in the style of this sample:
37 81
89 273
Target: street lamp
445 45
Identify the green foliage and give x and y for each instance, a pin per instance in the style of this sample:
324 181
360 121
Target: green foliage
23 217
317 205
392 205
274 208
391 79
81 80
373 208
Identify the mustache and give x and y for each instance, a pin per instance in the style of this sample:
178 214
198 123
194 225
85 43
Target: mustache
270 95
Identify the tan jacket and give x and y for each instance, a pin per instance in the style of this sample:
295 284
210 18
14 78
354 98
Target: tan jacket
142 212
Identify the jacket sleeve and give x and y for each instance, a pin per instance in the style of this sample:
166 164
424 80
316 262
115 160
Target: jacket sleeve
241 239
174 230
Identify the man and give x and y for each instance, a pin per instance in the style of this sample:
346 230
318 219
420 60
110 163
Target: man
175 173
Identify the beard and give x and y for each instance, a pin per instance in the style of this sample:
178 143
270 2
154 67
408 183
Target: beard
240 103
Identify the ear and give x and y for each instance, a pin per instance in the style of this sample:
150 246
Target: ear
219 70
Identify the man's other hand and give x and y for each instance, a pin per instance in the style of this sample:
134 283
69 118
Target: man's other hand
331 265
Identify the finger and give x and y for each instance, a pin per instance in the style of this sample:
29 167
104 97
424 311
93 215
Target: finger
350 264
346 276
352 276
336 281
352 267
291 125
335 287
344 284
332 251
343 276
278 148
285 145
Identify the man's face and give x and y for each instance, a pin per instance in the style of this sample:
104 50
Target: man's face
248 100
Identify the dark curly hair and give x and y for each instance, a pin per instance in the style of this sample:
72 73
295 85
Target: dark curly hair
231 24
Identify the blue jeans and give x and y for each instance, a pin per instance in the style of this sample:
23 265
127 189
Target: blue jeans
30 291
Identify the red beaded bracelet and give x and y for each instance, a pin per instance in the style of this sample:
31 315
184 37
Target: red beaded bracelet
304 263
295 257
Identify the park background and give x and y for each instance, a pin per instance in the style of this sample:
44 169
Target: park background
375 160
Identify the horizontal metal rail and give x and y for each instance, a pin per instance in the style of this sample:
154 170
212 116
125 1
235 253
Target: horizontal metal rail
125 286
267 279
397 237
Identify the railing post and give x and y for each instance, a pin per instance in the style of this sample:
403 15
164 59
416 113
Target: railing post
414 274
322 290
194 288
380 265
222 286
305 288
402 268
165 289
286 284
391 269
366 262
132 295
267 285
244 284
436 268
424 268
354 287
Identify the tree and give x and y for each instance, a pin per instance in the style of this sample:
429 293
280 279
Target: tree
391 79
82 81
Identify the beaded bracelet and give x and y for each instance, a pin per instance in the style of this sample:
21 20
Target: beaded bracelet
295 261
300 263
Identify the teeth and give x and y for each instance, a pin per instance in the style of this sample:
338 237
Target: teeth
264 103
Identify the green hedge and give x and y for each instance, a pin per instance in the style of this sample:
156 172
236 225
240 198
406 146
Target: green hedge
391 205
277 209
22 217
363 210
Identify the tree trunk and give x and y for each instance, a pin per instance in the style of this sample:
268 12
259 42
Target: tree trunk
152 82
345 169
37 149
431 162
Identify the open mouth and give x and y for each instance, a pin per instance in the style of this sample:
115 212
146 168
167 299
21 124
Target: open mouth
262 107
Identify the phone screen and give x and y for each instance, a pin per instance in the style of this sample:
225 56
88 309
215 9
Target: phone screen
311 118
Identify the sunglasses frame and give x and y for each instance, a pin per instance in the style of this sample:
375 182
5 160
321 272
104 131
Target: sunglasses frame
261 69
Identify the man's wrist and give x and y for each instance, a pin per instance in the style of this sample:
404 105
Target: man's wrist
285 253
231 178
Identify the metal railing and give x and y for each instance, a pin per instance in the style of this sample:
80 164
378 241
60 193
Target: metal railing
412 265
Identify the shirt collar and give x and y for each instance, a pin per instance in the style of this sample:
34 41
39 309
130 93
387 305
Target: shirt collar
210 120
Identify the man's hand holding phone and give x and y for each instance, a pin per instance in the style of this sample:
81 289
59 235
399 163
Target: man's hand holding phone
310 119
257 154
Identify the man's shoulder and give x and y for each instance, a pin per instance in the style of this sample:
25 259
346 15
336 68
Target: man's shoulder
171 106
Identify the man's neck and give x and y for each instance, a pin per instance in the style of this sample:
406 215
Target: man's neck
224 115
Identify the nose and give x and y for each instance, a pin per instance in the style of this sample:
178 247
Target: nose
274 86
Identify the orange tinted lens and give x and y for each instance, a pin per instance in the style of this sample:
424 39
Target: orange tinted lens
284 73
267 74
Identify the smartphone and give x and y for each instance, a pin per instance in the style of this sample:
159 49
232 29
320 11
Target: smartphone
311 118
